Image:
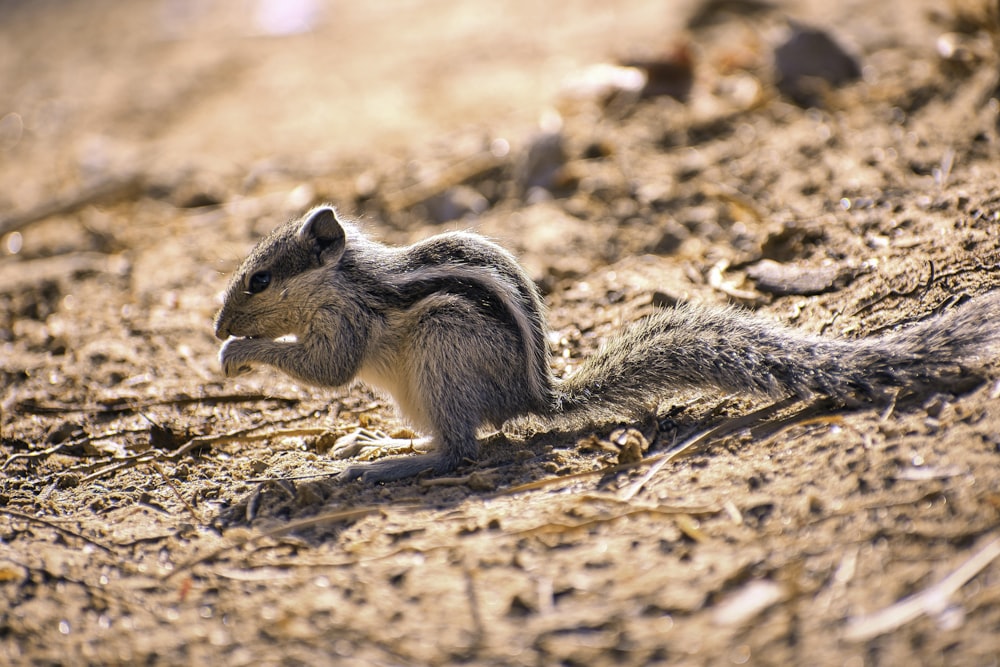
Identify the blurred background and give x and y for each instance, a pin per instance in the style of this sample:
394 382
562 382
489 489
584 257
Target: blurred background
216 84
90 86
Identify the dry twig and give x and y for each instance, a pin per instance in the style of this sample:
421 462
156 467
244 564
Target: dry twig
56 527
129 405
739 423
113 187
928 601
459 172
177 492
241 435
322 519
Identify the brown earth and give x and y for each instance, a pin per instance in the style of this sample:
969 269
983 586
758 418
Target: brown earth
153 512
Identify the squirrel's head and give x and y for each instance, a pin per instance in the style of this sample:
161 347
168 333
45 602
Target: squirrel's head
272 293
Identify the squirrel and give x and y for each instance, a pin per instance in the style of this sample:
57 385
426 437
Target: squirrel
454 330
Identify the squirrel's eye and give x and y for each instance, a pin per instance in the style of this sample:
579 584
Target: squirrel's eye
259 282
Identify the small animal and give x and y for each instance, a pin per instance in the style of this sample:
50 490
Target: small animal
455 331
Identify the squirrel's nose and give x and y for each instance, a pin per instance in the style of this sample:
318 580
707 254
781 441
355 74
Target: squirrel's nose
221 327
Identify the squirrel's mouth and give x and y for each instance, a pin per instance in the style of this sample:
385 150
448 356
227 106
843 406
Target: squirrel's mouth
230 327
224 332
286 338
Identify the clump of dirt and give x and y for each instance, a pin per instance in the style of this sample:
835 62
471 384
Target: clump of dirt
152 511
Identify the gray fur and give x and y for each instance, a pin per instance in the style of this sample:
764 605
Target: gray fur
735 351
455 331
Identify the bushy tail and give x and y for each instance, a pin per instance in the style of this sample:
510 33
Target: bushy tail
735 351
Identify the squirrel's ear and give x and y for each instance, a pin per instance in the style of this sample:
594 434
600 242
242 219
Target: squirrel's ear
323 231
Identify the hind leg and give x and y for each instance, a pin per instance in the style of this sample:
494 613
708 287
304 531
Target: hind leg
456 450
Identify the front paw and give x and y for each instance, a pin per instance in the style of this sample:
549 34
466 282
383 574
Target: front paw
234 357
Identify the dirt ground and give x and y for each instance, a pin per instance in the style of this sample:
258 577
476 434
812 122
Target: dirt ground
153 512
